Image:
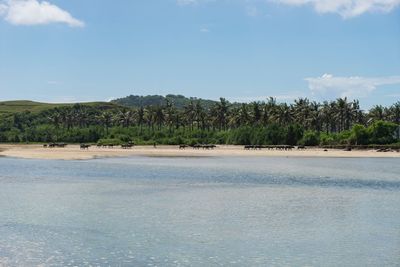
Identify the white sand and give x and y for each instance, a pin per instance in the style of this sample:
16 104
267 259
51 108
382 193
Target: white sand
73 152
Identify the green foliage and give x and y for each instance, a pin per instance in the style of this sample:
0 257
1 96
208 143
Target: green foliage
359 135
382 132
294 133
310 138
180 101
177 120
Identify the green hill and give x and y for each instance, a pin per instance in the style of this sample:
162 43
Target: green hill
9 107
157 100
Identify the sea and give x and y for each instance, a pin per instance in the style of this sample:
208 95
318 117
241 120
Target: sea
200 211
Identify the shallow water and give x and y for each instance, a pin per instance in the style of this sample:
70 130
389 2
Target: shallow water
144 211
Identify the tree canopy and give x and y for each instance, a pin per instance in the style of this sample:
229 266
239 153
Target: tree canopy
204 121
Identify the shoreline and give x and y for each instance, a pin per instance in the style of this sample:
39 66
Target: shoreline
73 152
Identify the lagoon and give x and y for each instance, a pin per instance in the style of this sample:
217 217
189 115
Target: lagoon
205 211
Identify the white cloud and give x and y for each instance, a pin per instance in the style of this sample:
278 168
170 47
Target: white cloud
3 9
194 2
204 30
345 8
290 96
328 86
53 82
252 11
186 2
34 12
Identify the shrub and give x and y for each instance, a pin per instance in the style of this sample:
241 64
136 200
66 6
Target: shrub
310 138
382 132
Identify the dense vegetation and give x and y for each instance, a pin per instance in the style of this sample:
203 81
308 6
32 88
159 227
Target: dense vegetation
180 101
339 122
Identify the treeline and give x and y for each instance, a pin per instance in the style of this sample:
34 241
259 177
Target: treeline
259 123
180 101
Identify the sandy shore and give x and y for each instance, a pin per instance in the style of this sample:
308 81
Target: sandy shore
73 152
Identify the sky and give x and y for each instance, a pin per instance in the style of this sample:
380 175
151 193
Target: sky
244 50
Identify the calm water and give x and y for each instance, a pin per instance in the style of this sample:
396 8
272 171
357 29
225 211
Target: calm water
200 212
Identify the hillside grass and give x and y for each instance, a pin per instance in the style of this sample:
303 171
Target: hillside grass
10 107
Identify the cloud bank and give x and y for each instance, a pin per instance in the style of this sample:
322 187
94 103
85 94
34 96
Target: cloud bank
346 8
328 86
34 12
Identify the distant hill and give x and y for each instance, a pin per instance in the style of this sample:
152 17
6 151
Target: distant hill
157 100
9 107
132 101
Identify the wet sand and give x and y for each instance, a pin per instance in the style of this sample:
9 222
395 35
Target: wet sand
73 152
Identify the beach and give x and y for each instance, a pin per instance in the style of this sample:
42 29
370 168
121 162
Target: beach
73 152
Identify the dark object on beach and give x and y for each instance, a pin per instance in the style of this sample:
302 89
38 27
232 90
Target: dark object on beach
53 145
276 147
128 145
183 146
325 150
198 146
84 146
384 150
347 148
301 147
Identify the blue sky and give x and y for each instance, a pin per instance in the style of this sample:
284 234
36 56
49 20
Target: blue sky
66 51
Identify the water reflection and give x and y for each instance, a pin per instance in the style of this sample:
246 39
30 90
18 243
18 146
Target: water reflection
200 212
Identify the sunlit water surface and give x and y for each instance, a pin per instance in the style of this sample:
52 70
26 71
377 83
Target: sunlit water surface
144 211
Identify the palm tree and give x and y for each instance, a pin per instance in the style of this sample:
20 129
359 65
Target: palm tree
55 118
302 112
125 117
315 119
358 114
239 116
377 113
149 116
394 116
199 115
190 114
222 108
269 110
159 116
256 112
140 117
170 114
106 120
343 113
283 114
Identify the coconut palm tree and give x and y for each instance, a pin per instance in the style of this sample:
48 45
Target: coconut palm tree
283 114
376 113
269 110
125 117
106 119
256 113
222 109
240 116
159 117
199 115
55 118
190 114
